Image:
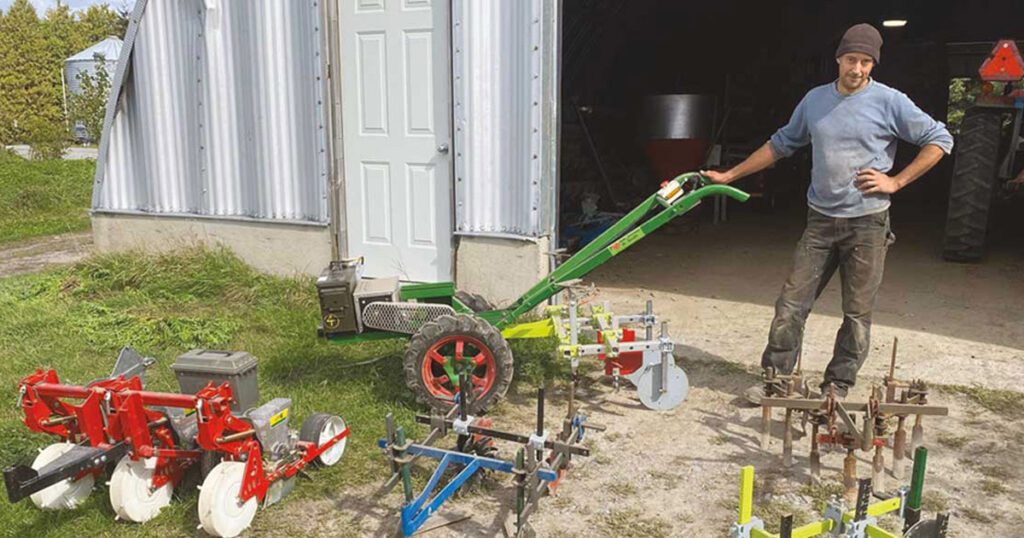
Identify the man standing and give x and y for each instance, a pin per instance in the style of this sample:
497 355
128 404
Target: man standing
852 125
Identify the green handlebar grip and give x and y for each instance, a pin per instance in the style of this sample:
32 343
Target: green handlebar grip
712 188
724 190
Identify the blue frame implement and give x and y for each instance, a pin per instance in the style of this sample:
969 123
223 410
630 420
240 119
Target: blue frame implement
534 474
416 512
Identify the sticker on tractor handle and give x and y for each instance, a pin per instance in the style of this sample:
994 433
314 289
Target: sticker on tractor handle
276 419
190 411
627 240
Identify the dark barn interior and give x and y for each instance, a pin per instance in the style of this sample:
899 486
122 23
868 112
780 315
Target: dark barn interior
751 62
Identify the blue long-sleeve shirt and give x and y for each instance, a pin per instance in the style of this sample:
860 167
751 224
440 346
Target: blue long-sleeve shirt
853 132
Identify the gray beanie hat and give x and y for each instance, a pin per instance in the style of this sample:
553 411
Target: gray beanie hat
862 38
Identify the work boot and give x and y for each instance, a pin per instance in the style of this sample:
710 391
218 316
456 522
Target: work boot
841 390
755 394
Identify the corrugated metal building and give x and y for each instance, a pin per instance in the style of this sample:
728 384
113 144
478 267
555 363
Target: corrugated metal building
422 135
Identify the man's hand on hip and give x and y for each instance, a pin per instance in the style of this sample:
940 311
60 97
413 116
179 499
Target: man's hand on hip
871 181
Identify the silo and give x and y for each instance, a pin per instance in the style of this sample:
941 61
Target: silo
105 52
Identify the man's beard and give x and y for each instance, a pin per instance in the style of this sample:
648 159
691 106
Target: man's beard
853 83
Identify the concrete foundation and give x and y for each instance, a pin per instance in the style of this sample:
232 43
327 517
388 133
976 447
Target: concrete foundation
500 269
276 248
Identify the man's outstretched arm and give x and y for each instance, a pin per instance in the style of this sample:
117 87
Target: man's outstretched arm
759 160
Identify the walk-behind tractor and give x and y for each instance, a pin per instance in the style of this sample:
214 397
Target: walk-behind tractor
839 521
988 163
148 441
541 461
455 333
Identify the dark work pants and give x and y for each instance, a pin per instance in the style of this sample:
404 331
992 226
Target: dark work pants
855 246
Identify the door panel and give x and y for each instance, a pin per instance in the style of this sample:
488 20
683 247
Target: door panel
396 106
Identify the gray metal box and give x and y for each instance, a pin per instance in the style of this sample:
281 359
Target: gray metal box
372 291
198 367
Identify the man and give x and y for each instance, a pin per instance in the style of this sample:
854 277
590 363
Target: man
852 125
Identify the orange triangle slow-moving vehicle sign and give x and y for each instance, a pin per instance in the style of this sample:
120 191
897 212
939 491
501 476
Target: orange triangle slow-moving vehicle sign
1004 64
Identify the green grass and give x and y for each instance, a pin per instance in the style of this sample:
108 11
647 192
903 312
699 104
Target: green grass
1007 403
76 319
43 197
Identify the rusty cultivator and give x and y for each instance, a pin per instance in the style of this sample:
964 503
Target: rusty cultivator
842 425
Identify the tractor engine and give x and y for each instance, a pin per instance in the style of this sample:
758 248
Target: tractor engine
344 296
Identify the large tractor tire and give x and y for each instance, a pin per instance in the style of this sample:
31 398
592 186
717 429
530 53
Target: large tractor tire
974 184
452 344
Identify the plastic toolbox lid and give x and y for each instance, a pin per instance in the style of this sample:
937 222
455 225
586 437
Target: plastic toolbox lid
214 361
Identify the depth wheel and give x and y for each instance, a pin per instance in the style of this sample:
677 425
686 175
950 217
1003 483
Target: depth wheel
450 345
220 511
320 428
66 494
131 493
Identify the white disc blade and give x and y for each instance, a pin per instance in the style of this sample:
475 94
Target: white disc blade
676 388
65 494
220 512
131 490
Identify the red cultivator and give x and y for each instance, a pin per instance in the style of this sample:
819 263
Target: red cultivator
152 438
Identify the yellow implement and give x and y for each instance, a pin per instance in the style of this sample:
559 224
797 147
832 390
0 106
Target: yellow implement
838 520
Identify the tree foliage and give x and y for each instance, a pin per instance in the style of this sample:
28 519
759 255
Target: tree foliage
90 105
32 54
962 94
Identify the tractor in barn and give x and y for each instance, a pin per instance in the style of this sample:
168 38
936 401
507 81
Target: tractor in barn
988 160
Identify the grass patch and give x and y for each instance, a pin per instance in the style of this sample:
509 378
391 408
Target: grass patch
75 319
934 501
950 440
1007 403
721 367
990 471
974 514
992 486
43 197
821 492
622 489
719 439
773 511
632 523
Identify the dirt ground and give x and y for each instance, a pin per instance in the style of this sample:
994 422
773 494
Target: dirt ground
676 473
42 252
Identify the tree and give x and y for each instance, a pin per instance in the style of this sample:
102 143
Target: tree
26 77
60 29
89 106
32 54
99 22
6 120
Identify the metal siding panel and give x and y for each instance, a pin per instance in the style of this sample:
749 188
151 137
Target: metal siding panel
501 172
221 115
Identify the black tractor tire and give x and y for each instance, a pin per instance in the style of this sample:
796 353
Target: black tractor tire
973 186
448 327
474 301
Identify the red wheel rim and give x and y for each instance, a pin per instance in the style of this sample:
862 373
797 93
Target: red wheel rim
457 352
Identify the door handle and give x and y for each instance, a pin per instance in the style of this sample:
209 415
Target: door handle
443 148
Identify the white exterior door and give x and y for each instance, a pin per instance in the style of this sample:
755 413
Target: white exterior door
396 111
